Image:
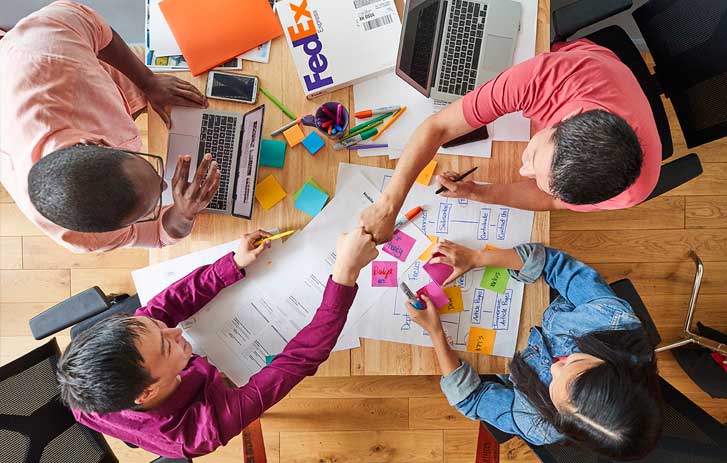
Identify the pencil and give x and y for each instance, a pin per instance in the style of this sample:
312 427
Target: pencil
284 128
277 103
459 178
391 121
274 237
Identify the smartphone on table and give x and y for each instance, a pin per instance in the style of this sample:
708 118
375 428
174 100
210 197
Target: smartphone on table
232 87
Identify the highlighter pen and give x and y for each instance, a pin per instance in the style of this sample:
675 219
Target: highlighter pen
411 296
355 139
373 112
408 217
364 125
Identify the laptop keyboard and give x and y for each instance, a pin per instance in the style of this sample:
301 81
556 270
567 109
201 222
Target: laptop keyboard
218 138
461 56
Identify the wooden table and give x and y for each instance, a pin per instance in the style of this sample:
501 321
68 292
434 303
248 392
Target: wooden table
280 78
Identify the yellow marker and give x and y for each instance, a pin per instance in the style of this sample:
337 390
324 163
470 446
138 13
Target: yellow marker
389 122
274 237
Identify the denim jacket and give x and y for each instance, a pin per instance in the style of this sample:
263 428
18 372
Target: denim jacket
586 304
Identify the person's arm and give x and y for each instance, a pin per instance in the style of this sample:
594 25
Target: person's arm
522 195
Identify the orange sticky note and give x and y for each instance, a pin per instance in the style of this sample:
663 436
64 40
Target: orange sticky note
427 254
489 247
454 293
269 192
294 135
211 32
481 340
425 176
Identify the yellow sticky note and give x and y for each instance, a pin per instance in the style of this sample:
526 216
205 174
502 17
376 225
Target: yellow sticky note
425 176
269 192
454 293
294 135
481 340
427 254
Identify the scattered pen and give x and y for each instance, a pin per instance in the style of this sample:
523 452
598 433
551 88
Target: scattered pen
274 237
457 179
368 147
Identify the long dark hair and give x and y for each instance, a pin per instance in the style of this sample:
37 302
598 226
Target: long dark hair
616 405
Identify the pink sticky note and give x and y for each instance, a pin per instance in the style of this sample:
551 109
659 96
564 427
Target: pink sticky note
400 245
383 273
438 272
436 294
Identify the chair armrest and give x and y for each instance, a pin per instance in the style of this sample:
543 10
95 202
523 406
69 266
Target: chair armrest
77 308
570 18
677 173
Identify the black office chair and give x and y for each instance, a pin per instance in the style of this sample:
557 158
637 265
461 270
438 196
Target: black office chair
688 41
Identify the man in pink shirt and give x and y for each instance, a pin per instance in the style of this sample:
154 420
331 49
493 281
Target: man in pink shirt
596 147
69 92
136 378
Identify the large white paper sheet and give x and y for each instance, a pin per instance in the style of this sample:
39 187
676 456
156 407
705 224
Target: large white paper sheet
469 223
161 39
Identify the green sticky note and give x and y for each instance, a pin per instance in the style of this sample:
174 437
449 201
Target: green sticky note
310 182
495 279
272 153
268 359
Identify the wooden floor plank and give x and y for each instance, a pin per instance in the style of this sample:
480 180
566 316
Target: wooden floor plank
663 212
641 246
232 452
11 252
460 445
436 413
706 212
116 281
14 317
5 196
666 277
713 180
364 446
42 252
14 223
367 387
337 415
34 285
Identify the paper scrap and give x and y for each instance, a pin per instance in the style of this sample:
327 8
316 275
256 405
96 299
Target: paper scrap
383 274
294 135
311 200
427 254
400 245
313 142
481 340
269 192
495 279
438 272
454 293
436 294
272 153
310 182
425 176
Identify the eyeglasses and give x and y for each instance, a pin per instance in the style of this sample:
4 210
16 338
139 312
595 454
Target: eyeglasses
158 163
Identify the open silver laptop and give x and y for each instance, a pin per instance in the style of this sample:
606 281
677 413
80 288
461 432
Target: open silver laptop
232 139
449 47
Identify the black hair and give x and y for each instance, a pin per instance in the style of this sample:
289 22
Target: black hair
597 156
615 406
102 369
83 188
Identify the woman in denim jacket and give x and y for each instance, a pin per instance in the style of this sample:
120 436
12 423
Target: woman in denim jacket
588 375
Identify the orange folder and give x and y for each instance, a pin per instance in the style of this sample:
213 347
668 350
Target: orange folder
210 32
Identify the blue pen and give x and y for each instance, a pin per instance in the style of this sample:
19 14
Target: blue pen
411 296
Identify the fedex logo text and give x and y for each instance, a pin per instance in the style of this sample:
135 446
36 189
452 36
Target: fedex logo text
304 34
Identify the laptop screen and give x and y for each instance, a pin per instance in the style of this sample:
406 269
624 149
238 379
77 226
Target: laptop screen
247 165
417 46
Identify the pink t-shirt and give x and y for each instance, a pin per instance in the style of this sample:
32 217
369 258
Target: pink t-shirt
54 92
578 75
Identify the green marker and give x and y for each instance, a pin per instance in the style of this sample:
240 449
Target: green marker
353 133
371 122
355 139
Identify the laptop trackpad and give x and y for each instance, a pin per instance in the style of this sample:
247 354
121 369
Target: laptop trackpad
498 53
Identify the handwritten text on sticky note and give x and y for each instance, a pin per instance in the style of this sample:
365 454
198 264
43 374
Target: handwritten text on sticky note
400 245
495 279
383 274
481 340
455 305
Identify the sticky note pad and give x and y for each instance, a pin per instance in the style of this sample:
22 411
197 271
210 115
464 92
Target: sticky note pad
400 245
425 176
438 272
311 200
313 142
454 293
427 254
495 279
481 340
294 135
309 182
268 359
436 294
272 153
269 192
383 274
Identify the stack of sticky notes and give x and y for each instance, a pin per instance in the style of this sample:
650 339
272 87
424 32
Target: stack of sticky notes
313 142
272 153
311 198
294 135
269 192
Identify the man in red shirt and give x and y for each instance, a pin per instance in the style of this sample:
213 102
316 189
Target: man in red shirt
596 147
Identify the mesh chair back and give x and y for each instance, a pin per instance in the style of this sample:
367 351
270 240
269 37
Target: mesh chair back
688 40
35 427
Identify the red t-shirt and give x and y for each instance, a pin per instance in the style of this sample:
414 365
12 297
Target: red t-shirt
578 75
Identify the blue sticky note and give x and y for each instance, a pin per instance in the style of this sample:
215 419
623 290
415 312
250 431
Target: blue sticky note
313 142
272 153
268 359
311 200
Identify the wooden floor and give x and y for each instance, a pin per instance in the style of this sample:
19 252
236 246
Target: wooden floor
406 419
